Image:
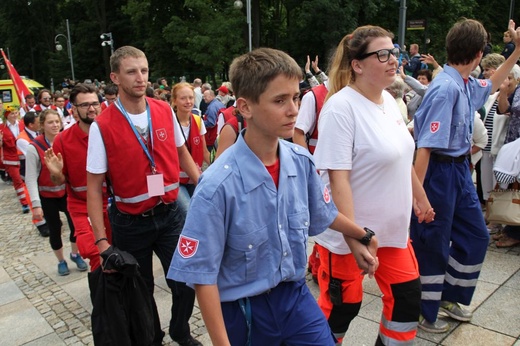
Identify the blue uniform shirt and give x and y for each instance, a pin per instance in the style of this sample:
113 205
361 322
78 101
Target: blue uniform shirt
444 120
244 234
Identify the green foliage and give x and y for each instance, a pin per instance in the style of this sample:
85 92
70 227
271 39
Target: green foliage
200 38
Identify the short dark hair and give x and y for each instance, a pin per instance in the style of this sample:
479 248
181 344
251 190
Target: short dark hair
30 118
465 40
111 89
81 88
425 72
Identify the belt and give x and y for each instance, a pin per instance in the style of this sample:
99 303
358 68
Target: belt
449 159
160 208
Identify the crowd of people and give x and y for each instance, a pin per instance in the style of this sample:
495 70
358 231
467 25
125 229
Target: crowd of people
374 159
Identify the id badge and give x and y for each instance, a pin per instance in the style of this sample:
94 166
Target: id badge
155 185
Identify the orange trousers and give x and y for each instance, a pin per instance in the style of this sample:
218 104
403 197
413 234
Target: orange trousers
398 279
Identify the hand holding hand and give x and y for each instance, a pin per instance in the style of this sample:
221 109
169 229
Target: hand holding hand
366 258
423 210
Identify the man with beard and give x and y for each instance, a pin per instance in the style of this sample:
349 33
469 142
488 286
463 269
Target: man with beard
44 101
66 162
141 157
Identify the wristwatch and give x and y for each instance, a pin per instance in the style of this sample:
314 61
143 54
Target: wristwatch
368 236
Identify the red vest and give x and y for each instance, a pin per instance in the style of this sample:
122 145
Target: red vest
11 155
128 165
320 92
194 145
72 144
46 187
39 108
227 113
236 124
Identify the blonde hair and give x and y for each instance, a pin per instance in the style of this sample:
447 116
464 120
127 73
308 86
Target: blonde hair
124 52
492 60
175 90
351 47
46 113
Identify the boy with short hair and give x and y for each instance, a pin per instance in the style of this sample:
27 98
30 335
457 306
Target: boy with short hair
244 242
451 250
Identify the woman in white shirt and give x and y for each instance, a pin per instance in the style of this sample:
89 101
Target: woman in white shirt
364 153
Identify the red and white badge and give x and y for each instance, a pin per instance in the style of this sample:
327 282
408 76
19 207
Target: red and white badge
434 126
187 246
196 140
161 134
326 195
483 82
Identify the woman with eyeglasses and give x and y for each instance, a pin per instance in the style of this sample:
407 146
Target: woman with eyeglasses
364 154
47 198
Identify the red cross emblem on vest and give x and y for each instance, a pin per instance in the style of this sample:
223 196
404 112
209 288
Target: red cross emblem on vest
161 134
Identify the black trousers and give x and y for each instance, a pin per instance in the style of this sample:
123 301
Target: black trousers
51 210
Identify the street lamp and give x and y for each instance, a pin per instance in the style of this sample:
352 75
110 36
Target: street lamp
59 47
108 41
238 4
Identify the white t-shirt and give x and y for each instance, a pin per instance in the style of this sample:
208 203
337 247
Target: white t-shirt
374 144
307 114
96 154
186 129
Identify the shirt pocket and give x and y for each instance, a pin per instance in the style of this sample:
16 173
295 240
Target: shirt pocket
298 236
458 130
244 253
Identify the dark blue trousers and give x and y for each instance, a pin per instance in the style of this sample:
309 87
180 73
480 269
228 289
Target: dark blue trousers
286 315
450 250
142 236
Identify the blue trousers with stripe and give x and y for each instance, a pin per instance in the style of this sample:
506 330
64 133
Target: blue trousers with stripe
450 250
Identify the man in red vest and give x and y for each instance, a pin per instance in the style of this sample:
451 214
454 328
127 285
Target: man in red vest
44 101
138 145
66 162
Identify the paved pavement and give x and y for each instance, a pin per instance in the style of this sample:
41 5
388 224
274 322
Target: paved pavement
38 307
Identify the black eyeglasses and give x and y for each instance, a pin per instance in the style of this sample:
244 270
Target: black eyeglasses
87 105
383 55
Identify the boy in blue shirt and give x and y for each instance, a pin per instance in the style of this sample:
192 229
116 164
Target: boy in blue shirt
450 251
243 246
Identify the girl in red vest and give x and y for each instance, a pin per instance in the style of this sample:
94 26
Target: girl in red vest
47 198
193 129
10 155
